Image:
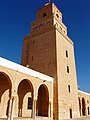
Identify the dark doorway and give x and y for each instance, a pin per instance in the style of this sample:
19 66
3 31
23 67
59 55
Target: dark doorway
83 107
5 93
25 87
43 101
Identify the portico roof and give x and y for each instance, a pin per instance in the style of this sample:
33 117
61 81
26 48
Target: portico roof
14 66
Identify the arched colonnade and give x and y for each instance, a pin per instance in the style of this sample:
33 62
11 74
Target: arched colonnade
84 107
22 95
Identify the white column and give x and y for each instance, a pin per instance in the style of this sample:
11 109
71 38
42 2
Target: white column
34 109
81 107
49 110
52 109
12 108
9 110
0 109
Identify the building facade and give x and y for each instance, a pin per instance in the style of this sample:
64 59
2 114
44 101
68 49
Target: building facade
49 50
52 91
22 90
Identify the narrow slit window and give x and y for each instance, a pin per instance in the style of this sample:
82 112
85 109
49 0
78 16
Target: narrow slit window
32 58
66 53
69 89
44 14
67 69
70 113
33 42
88 111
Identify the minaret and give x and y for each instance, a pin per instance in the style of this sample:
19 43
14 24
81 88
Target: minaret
49 50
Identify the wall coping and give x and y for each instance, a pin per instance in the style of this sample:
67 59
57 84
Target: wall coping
83 92
20 68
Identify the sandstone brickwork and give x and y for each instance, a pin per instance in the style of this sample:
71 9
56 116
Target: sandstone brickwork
21 92
44 87
46 53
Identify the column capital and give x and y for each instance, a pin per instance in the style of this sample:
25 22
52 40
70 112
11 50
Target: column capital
14 94
35 97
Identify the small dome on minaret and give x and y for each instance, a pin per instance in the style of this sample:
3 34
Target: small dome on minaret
46 4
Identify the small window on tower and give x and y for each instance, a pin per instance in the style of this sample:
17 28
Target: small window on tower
44 14
60 28
70 113
87 101
69 89
32 58
57 15
66 53
33 42
67 69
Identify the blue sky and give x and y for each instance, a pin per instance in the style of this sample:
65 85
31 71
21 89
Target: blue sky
15 19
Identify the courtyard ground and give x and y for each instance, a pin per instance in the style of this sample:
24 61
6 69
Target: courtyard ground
41 118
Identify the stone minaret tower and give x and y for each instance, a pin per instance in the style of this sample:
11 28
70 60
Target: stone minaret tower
49 50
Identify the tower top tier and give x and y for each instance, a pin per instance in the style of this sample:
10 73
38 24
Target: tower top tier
49 10
48 17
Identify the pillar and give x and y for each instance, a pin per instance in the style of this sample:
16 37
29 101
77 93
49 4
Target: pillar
15 103
12 109
34 109
49 110
52 109
9 110
11 106
0 109
81 107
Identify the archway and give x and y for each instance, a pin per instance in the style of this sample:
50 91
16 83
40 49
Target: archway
43 101
25 95
79 105
5 94
83 107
